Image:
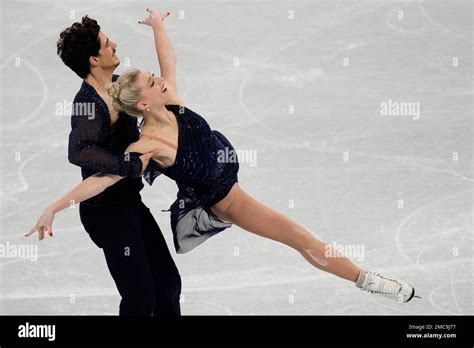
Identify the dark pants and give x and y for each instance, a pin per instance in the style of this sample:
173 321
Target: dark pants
137 256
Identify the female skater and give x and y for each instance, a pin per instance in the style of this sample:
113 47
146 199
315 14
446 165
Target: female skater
209 197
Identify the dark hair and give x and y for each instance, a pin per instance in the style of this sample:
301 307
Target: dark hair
77 43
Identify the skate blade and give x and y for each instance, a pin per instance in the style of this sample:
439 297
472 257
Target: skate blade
413 296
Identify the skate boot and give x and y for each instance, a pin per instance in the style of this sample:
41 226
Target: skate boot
375 283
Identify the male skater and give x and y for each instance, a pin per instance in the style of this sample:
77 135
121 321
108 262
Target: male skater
116 220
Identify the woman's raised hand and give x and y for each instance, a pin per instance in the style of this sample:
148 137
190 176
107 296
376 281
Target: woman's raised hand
154 17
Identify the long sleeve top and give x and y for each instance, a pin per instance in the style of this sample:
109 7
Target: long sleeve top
96 146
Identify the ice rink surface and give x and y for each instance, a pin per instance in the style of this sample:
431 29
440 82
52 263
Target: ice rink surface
300 83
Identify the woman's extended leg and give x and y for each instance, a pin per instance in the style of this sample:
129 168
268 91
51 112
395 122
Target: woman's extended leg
241 209
244 211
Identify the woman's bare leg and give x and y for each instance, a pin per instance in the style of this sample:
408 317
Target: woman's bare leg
244 211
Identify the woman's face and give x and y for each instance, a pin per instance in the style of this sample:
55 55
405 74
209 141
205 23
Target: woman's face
154 90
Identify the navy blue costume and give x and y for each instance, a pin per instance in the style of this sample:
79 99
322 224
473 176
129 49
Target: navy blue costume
205 170
117 220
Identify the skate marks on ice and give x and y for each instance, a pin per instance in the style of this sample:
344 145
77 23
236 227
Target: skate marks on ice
423 240
444 232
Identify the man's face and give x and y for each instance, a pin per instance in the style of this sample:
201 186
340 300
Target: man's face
107 58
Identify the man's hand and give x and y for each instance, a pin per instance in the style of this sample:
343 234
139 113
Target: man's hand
44 223
145 158
154 17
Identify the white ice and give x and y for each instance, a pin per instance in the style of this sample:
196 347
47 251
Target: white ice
398 186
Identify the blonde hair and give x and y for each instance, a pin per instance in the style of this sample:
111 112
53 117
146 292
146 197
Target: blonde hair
125 94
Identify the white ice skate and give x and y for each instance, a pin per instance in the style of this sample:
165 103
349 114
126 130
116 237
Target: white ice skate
390 288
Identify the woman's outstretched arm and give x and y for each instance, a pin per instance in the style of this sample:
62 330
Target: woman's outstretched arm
164 49
88 188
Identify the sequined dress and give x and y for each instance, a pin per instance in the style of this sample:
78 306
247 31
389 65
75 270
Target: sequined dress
205 170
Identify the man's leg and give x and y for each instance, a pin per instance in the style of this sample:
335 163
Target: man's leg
166 276
116 229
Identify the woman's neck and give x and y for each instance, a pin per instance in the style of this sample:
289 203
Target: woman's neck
158 117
